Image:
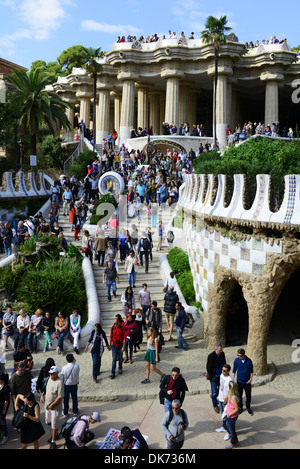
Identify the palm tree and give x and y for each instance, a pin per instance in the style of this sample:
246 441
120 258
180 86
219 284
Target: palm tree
93 68
215 34
36 107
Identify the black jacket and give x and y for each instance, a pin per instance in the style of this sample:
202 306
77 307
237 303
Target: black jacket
179 386
171 298
212 364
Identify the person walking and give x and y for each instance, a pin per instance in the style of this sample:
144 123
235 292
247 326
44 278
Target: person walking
131 268
110 277
67 198
215 362
144 250
180 321
32 429
20 383
232 413
160 234
174 425
243 372
144 298
95 346
170 300
129 325
53 400
70 377
152 355
116 345
100 247
225 378
172 387
154 318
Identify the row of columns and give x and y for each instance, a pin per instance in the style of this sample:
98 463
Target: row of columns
177 105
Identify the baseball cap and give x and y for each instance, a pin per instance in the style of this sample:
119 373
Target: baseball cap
53 369
96 416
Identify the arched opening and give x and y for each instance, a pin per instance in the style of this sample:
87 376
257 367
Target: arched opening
285 323
237 324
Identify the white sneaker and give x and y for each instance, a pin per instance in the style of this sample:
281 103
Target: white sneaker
227 436
221 429
4 440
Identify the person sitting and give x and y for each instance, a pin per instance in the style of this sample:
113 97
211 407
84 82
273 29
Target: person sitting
132 439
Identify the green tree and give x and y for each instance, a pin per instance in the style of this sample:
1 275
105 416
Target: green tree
75 56
37 107
93 67
215 34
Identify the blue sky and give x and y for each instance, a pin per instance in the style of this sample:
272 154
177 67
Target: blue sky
42 29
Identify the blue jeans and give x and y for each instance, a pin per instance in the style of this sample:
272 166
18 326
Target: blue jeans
181 342
20 339
109 284
214 385
32 341
96 364
61 337
70 389
167 405
8 250
224 421
116 354
131 278
230 422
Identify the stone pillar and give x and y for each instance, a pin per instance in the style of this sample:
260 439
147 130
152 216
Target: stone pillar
102 121
272 80
184 94
68 135
192 109
155 122
127 109
221 110
85 110
162 111
117 111
142 106
172 101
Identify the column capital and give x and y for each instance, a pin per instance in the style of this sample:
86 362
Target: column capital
127 76
222 70
272 76
144 86
172 73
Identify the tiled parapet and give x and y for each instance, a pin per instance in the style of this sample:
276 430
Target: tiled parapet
24 186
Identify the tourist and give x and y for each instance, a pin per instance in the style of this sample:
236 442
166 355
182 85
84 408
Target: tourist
22 356
53 400
160 234
131 268
32 429
232 413
21 232
138 335
47 328
43 376
129 325
75 329
20 383
80 433
243 368
222 397
110 277
172 386
152 355
4 403
170 300
100 247
67 198
9 322
215 361
61 326
144 297
70 377
144 250
77 224
122 244
128 301
21 332
132 439
87 245
116 345
154 318
111 253
174 425
35 330
170 281
180 322
95 346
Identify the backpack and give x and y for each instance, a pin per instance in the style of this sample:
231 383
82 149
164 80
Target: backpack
171 415
189 322
146 245
68 426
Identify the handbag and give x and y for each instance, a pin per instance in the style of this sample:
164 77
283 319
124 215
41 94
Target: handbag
18 419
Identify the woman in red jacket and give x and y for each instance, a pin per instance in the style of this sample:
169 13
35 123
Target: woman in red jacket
71 215
129 325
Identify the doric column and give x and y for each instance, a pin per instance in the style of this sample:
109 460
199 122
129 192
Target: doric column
85 110
184 103
172 101
142 105
192 108
104 87
117 110
155 121
127 108
273 81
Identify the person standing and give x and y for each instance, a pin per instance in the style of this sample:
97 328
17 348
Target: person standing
172 387
70 376
4 403
170 300
154 318
232 413
225 378
174 425
116 345
110 277
131 268
215 362
180 321
20 383
95 346
160 233
100 247
152 355
129 325
243 368
53 403
144 250
67 198
32 429
144 297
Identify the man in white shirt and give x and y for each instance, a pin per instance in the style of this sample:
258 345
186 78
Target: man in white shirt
30 226
70 377
225 378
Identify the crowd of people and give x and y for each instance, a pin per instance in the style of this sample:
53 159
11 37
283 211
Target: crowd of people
248 129
272 40
155 37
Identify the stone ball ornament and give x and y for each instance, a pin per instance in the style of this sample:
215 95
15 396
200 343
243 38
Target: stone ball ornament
111 183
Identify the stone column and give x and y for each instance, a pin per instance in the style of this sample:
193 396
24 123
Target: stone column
127 109
102 121
155 122
221 110
68 135
183 112
192 109
272 80
85 110
142 106
117 110
172 101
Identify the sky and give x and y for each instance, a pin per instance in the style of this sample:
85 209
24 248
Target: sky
41 29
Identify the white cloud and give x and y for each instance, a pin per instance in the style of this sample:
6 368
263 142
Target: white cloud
119 29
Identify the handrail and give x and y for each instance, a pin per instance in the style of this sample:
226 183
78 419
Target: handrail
72 156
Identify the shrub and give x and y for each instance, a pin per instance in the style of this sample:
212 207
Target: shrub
79 168
186 284
179 261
